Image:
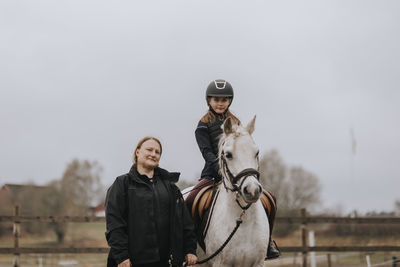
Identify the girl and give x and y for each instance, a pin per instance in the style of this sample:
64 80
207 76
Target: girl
219 96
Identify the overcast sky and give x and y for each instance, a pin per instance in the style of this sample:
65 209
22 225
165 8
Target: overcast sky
88 79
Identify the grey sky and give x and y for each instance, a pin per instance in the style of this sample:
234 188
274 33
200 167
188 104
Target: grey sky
88 79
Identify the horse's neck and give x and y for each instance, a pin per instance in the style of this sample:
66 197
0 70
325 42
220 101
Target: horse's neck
249 245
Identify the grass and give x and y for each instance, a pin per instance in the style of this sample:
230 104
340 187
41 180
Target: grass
324 239
353 259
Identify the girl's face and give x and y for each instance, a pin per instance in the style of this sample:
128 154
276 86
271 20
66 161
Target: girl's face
148 155
219 104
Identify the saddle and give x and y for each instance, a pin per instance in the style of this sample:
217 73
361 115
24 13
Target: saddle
202 209
203 206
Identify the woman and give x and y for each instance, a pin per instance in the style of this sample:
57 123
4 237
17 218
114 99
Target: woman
147 221
219 96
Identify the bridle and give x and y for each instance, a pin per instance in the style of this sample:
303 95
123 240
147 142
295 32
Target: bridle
234 179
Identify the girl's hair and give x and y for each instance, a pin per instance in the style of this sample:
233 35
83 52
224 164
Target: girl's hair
139 145
210 117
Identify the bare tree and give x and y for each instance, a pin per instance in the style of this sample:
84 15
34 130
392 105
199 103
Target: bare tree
182 184
77 190
304 190
81 183
273 173
294 187
397 207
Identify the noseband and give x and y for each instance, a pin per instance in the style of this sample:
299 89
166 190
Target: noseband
234 179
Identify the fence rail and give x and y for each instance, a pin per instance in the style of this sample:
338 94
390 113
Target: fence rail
288 220
19 219
339 220
102 250
303 220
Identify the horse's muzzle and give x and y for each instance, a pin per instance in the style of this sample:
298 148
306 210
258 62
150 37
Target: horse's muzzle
251 193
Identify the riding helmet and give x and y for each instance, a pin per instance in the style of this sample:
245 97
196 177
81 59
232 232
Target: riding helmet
219 88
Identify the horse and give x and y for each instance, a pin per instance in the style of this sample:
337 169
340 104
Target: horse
237 203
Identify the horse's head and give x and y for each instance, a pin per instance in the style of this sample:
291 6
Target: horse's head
238 158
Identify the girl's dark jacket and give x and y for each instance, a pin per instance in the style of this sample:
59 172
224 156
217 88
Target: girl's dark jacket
207 137
130 223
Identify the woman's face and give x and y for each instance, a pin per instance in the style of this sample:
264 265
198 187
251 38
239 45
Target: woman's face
148 155
219 104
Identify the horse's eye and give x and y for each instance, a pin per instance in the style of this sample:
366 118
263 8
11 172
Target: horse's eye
228 155
258 152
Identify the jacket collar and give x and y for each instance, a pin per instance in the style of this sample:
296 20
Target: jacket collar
162 173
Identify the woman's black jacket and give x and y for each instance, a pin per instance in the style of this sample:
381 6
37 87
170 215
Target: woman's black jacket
130 222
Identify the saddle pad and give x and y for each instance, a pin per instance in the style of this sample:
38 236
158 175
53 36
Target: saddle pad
201 211
202 202
268 201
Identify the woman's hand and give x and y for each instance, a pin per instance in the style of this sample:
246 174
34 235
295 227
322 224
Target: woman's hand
125 263
190 259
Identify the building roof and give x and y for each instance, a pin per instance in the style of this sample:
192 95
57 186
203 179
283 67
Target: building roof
16 189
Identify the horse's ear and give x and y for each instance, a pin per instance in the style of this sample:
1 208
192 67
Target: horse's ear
228 126
250 127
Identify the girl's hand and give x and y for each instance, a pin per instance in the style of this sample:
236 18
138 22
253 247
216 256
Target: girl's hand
125 263
190 259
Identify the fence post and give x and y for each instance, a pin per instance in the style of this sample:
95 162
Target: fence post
394 261
16 232
329 260
368 258
311 243
304 236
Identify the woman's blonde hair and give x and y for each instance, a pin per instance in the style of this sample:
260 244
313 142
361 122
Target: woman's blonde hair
139 145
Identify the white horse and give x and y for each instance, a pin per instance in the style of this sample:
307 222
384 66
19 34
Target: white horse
237 199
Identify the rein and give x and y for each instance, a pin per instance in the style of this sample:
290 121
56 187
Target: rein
236 188
238 223
234 179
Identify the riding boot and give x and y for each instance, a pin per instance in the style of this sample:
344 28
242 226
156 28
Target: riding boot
273 250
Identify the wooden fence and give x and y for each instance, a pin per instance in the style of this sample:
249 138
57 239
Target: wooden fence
303 220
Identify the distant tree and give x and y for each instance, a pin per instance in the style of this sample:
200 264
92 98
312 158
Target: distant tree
397 207
81 183
303 191
78 189
334 211
182 184
274 173
294 187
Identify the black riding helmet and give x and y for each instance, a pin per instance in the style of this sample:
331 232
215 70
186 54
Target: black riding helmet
219 88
